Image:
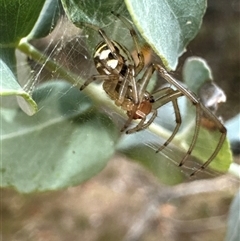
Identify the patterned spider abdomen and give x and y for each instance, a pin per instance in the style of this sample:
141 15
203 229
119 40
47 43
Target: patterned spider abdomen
108 63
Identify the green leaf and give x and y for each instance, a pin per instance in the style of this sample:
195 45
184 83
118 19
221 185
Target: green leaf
168 26
47 20
97 13
206 144
9 84
164 20
64 144
17 19
142 147
207 139
91 11
159 165
196 72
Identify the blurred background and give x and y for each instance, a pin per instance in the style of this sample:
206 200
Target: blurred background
125 201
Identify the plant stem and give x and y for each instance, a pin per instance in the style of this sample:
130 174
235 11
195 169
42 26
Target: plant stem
51 65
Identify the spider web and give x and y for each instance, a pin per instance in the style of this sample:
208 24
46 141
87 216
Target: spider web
68 46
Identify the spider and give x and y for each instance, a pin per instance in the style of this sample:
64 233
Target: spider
119 73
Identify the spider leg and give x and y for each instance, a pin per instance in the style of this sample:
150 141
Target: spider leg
195 134
103 35
135 97
135 86
97 77
170 96
129 120
113 76
141 125
141 86
125 86
199 109
144 81
164 74
138 91
223 132
124 80
133 33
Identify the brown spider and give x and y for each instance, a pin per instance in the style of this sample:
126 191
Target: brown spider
119 72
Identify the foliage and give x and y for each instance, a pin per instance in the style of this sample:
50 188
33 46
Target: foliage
67 139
